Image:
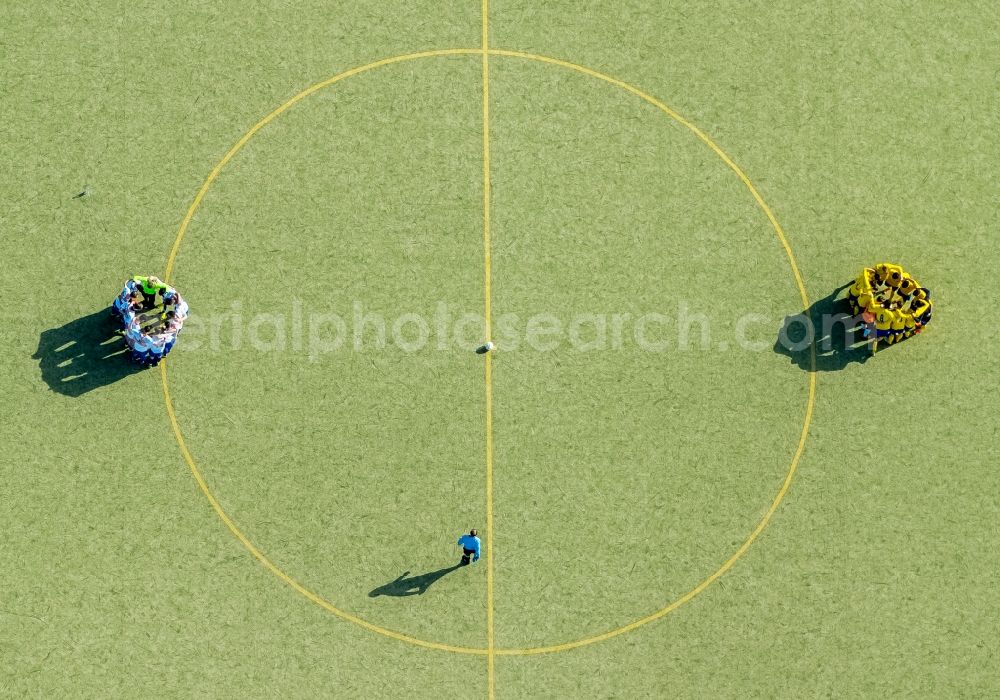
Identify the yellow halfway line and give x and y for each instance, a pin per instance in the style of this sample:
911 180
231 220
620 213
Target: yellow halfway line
488 312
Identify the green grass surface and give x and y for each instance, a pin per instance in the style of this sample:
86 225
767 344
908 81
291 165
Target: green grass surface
622 477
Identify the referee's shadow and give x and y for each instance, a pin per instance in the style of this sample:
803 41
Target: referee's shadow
83 354
414 585
827 327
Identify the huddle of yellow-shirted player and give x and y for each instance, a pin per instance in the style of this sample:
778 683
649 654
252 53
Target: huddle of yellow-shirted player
892 304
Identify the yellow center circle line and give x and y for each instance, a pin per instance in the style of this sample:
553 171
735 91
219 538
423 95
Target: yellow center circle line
330 607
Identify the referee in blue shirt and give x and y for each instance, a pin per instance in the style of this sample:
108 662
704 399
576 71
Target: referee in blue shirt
471 547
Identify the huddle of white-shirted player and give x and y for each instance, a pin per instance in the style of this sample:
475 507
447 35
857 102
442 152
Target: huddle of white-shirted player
149 330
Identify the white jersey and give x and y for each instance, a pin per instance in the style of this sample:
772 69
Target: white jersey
158 343
180 308
131 322
128 290
138 341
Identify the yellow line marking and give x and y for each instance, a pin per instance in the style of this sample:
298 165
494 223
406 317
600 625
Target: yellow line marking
491 651
708 581
185 452
488 313
812 370
694 129
271 566
172 258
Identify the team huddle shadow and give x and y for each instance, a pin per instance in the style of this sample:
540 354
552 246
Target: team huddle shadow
414 585
83 355
828 328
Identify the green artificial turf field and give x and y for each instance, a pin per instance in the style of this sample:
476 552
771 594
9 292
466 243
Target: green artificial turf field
276 515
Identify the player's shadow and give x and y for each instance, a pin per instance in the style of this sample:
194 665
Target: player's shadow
414 585
83 355
827 327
